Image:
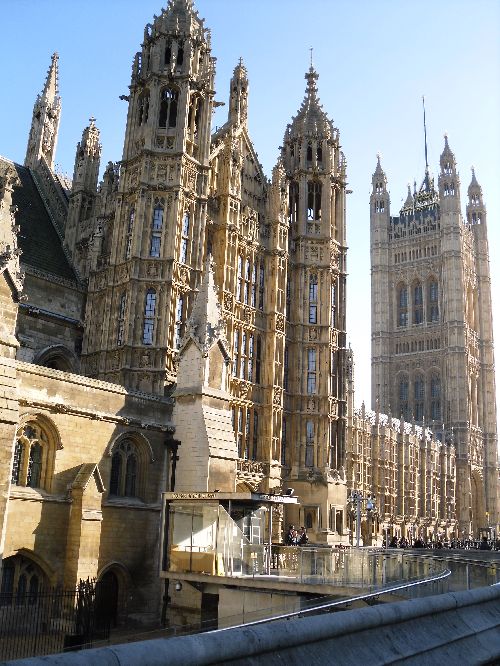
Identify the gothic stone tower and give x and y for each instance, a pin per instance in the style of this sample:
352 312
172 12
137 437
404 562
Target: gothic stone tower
314 355
432 339
156 238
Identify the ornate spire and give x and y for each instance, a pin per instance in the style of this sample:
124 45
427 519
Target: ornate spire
42 141
51 88
310 118
238 95
476 210
206 324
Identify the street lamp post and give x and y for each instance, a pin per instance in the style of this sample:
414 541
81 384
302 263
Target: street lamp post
356 499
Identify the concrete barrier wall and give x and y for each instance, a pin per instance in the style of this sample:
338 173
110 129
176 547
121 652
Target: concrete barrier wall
460 627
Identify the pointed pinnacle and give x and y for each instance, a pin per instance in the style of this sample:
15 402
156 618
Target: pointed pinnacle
51 87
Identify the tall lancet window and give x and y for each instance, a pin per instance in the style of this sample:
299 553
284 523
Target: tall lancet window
149 317
435 398
418 304
130 229
185 238
313 299
404 397
309 453
121 319
313 206
168 108
156 231
143 108
419 398
311 371
433 305
179 311
293 203
403 306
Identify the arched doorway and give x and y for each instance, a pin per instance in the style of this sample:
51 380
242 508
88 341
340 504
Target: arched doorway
107 596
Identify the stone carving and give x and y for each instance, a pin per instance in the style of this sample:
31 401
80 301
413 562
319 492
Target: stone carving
280 323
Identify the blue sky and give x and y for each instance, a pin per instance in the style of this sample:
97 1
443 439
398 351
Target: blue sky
375 61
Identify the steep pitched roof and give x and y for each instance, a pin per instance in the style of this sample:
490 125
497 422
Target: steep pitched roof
38 239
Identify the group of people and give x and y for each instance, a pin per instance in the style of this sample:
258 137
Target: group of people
295 538
483 544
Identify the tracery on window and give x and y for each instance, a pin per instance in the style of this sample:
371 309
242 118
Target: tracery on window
124 469
179 321
246 429
168 108
313 206
33 457
293 202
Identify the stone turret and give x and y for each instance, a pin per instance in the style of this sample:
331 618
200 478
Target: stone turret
83 196
238 95
44 130
202 409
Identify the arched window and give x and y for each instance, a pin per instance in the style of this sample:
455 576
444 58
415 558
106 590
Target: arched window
184 238
22 580
124 470
313 201
419 398
258 359
286 362
33 457
283 441
156 230
168 54
433 305
149 317
180 55
313 299
319 153
403 306
121 319
168 108
309 153
418 304
435 398
261 285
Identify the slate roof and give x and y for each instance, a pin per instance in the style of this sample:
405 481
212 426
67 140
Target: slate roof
38 239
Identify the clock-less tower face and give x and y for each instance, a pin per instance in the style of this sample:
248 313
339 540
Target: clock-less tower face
432 344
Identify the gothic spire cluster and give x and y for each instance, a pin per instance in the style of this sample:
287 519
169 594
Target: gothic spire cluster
311 119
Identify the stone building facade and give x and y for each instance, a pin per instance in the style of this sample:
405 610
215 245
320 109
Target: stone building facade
432 337
181 321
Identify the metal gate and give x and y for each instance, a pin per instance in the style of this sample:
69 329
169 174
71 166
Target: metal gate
55 620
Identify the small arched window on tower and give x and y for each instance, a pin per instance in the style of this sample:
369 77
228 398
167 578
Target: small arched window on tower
418 304
433 306
419 398
156 231
313 299
149 317
121 319
180 54
309 152
168 108
435 397
184 238
313 207
143 108
319 153
168 53
403 306
261 284
194 116
404 397
311 371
